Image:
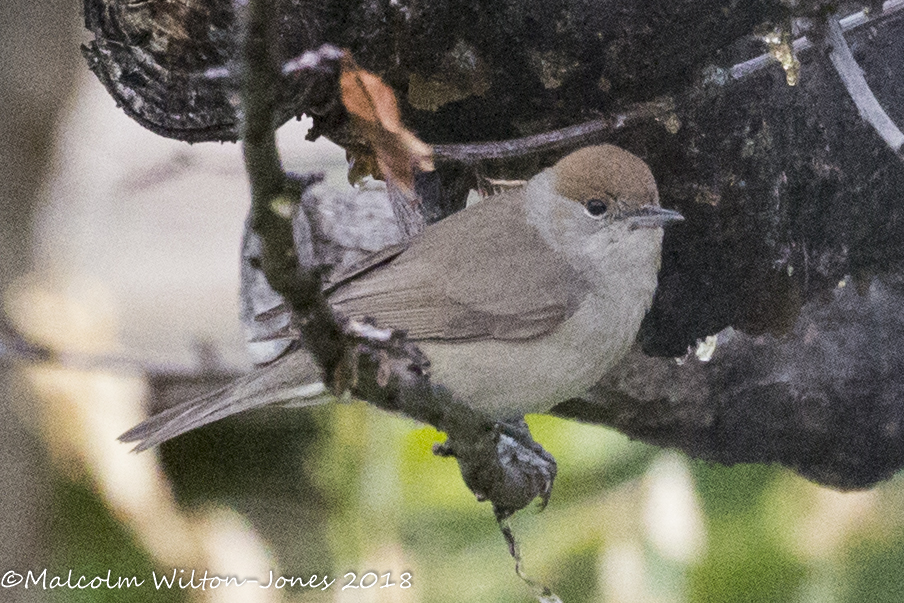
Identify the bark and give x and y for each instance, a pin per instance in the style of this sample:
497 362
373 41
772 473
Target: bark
787 191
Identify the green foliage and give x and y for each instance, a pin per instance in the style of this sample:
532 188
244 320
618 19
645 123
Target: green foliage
86 538
369 495
875 573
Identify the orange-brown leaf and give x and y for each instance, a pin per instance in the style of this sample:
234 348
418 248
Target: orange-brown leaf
375 115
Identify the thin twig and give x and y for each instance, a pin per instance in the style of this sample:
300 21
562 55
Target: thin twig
16 347
569 137
858 89
858 19
272 188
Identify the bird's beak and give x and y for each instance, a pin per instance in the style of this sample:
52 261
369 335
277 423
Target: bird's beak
652 216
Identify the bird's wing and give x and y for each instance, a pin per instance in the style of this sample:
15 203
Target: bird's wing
429 288
367 264
433 290
293 378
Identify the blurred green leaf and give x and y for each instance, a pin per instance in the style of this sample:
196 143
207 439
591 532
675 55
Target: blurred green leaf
90 541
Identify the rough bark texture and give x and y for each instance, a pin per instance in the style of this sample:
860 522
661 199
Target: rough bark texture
785 189
824 399
515 67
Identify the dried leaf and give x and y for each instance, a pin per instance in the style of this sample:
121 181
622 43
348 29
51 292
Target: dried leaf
375 115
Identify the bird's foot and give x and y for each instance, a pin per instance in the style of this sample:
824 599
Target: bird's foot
507 467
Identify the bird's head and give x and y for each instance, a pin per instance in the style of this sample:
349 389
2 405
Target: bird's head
612 185
599 206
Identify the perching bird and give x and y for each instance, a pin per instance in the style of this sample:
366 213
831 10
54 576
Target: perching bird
520 302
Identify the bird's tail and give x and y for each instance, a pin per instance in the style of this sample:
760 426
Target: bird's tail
295 378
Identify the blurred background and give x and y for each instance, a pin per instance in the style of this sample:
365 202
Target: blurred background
119 245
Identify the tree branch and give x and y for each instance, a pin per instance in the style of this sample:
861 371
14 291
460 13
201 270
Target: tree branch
499 462
555 140
858 19
858 89
273 193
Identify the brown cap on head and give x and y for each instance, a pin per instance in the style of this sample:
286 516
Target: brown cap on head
606 172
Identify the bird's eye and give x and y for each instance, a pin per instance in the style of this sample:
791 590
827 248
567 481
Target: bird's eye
596 208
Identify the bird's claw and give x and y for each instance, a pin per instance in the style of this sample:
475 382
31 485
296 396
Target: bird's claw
509 469
529 470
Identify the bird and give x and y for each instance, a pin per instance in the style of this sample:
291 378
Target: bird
520 302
